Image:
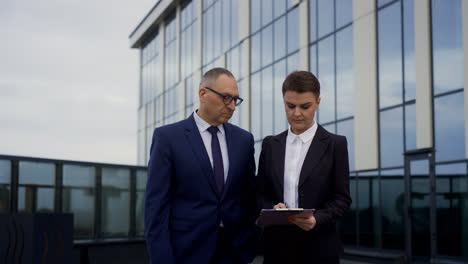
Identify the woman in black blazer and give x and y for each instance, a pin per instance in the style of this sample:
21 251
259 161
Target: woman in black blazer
307 167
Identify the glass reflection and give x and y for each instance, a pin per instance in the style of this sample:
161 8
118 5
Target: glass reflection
5 175
293 30
280 120
449 126
392 186
267 101
115 203
267 45
452 209
344 12
410 126
326 77
408 34
78 197
348 223
36 187
325 17
447 45
391 138
368 205
346 128
255 106
279 36
140 202
389 57
344 73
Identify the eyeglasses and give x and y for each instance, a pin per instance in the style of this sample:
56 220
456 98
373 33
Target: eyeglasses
227 99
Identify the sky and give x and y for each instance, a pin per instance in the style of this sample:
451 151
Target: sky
69 79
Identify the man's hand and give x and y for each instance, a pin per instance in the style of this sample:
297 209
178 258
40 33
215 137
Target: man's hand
305 223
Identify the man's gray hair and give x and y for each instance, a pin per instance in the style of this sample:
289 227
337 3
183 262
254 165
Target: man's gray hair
213 74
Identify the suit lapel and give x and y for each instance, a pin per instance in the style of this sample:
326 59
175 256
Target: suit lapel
279 150
196 142
314 153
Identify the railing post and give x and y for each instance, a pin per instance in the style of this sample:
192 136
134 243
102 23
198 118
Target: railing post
14 186
132 202
97 203
58 187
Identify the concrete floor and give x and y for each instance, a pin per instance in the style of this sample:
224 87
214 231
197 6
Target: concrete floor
259 260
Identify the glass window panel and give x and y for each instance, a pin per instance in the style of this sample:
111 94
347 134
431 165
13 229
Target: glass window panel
313 59
280 38
115 202
344 12
255 52
330 128
391 138
5 175
140 201
327 80
78 197
293 62
36 187
348 222
36 173
267 11
367 201
383 2
256 115
267 101
279 112
218 29
346 128
447 45
267 45
452 209
344 73
408 33
410 126
255 15
312 20
5 171
226 24
392 207
325 17
293 30
449 125
389 49
280 7
234 22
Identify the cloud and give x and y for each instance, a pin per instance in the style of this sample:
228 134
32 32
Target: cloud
68 79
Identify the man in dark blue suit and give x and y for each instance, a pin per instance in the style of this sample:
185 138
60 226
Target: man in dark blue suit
200 194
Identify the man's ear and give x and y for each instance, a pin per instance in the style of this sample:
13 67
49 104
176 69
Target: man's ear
201 93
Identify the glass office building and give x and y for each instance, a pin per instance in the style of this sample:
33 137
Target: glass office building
392 76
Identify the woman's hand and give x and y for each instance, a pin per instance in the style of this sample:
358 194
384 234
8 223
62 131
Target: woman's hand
279 205
305 223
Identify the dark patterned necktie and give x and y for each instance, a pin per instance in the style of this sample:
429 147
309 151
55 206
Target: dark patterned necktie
218 167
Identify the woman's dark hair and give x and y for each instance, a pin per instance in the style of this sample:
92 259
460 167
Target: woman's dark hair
301 82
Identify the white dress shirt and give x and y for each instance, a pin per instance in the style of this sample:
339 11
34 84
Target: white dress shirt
206 137
296 151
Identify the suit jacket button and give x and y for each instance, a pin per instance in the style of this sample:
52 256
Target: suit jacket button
301 194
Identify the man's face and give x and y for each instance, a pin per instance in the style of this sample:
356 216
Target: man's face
214 108
300 110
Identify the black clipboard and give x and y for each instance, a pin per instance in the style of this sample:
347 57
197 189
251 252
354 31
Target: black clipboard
280 216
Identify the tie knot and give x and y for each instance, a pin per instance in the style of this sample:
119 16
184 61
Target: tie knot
213 130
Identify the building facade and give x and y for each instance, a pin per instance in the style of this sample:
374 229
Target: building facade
392 76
